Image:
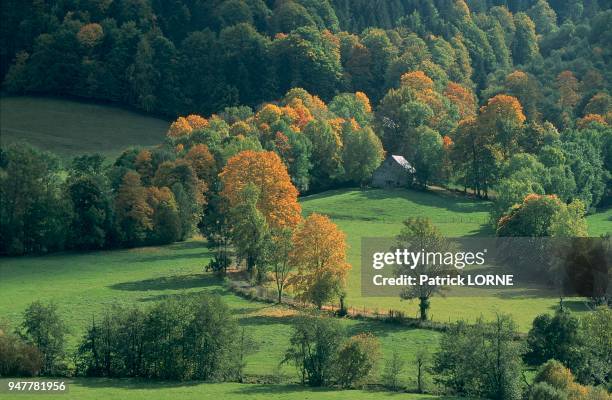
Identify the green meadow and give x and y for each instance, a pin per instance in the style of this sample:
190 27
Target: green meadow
129 389
83 285
70 128
379 213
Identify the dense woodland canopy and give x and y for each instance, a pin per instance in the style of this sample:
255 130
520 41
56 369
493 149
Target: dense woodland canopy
510 98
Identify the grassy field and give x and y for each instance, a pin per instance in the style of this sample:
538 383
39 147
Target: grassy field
83 284
379 213
128 389
69 128
600 223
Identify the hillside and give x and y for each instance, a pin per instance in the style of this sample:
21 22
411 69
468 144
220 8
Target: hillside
376 213
83 285
70 128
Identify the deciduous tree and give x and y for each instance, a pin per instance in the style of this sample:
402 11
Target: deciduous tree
264 169
319 256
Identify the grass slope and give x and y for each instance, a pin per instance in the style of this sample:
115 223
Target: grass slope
70 128
379 213
129 389
83 284
600 223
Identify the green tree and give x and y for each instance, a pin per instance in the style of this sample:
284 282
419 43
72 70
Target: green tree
92 219
545 215
43 327
362 153
543 16
34 216
557 337
420 233
356 360
394 367
525 47
250 231
314 343
278 248
326 153
481 360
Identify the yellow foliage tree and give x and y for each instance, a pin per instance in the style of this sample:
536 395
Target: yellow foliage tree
319 255
278 199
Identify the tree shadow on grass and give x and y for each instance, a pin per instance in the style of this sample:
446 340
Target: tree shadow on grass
307 392
132 383
377 328
184 295
173 256
175 282
264 320
449 202
575 305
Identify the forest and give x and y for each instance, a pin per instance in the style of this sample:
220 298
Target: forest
162 258
510 98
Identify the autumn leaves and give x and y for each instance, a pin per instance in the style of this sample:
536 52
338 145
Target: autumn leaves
314 248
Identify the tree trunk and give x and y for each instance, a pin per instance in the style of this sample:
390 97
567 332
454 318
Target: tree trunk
423 307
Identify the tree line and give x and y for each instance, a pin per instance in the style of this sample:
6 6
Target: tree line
196 338
200 57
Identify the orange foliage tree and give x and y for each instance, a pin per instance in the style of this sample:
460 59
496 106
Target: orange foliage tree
319 255
503 116
184 126
278 199
133 213
568 90
462 97
202 162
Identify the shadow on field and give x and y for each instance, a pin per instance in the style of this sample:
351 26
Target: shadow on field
193 244
183 295
132 383
172 256
378 329
573 305
431 199
264 320
305 391
252 390
176 282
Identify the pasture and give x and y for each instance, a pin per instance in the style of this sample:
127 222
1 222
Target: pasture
380 213
129 389
70 128
83 285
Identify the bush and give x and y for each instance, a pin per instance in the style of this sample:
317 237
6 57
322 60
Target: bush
557 376
43 328
175 339
391 374
18 358
559 337
544 391
313 349
356 359
480 360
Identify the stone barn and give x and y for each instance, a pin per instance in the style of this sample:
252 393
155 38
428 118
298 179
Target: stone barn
395 171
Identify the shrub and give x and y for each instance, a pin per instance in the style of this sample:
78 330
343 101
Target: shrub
544 391
313 348
18 358
43 328
175 339
356 359
391 374
480 360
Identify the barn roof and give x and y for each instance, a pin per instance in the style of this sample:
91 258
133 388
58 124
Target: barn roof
403 163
